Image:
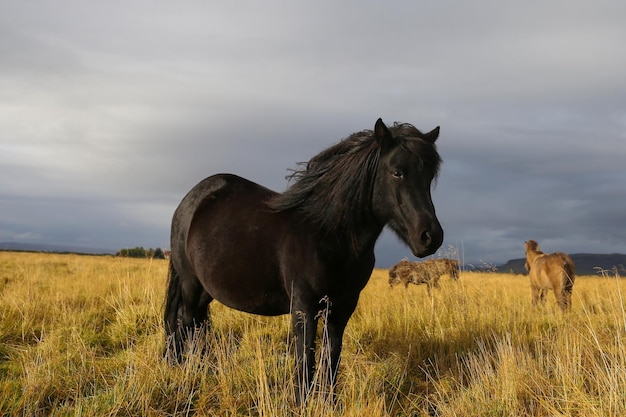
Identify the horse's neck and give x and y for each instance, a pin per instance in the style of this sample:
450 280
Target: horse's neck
532 255
366 239
348 248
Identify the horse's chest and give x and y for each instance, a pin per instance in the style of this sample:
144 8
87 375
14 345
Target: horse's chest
344 286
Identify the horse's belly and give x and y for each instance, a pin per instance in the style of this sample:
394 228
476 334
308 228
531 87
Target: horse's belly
271 302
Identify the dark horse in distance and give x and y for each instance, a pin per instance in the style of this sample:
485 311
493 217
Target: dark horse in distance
304 250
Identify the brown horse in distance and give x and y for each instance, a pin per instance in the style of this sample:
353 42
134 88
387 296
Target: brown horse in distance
428 272
555 272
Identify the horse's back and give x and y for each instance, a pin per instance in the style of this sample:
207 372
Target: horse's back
224 235
200 200
253 258
550 271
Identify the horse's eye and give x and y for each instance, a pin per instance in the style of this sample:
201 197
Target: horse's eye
397 174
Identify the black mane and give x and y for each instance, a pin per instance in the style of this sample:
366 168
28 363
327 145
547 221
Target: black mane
334 189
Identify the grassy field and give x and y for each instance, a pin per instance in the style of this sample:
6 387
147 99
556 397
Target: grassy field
82 336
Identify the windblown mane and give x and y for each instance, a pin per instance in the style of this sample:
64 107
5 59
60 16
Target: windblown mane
328 187
332 182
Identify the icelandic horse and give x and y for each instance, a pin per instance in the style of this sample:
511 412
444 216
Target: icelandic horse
555 271
306 250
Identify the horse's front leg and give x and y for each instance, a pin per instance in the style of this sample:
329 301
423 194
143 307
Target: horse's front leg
542 296
336 326
304 329
535 292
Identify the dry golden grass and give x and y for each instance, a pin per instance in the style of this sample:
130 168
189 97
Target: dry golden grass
82 335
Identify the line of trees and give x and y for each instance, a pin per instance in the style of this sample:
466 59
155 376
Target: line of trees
140 252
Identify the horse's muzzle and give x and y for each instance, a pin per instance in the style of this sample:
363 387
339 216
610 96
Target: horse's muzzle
428 240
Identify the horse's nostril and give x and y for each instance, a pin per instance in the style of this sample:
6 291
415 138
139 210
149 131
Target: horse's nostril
426 238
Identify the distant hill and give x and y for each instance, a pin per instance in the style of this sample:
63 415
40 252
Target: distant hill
586 264
37 247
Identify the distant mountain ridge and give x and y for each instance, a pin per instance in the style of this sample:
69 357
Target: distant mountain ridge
41 247
586 264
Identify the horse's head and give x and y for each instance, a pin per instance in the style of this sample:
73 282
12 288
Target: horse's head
531 246
407 165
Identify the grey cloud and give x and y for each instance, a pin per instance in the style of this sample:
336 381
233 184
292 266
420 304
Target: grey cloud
111 111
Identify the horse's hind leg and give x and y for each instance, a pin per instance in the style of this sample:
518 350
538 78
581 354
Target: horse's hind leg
564 299
186 312
567 301
172 315
195 322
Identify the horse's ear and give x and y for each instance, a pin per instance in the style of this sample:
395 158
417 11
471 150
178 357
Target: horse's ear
382 134
432 135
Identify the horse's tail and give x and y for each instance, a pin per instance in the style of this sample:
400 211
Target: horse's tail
569 274
171 316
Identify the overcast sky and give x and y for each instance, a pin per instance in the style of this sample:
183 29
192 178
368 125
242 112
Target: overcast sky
111 111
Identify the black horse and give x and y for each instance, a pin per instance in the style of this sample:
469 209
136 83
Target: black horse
307 249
